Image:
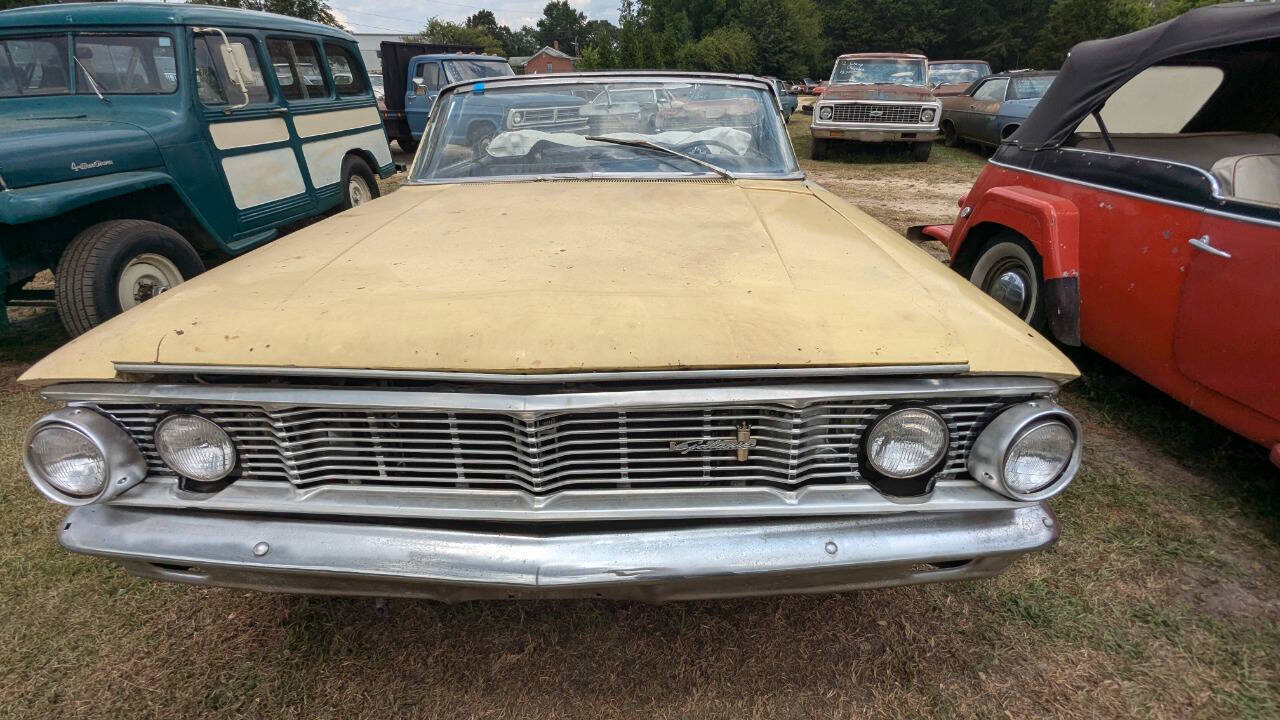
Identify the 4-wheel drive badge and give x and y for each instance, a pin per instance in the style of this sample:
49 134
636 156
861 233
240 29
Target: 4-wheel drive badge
743 444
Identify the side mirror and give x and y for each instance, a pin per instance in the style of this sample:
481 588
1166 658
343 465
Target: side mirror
235 64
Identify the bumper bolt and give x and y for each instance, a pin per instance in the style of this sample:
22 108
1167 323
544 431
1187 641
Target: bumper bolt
831 548
261 549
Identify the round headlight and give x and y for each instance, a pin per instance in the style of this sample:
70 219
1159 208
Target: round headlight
907 443
517 117
195 448
824 113
68 460
927 115
1037 458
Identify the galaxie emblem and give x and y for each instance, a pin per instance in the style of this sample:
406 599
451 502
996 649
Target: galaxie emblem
743 443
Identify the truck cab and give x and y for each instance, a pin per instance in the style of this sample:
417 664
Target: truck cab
427 74
145 142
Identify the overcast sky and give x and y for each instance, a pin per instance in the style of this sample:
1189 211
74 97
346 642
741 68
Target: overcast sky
393 16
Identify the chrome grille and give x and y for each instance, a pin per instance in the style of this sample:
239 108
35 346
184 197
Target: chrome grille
545 452
876 113
547 116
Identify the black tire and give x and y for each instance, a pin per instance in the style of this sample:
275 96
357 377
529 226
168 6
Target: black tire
920 151
818 149
949 136
478 137
1009 254
359 184
1007 131
407 144
87 279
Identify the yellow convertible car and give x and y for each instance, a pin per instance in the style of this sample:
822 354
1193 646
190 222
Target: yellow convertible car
592 348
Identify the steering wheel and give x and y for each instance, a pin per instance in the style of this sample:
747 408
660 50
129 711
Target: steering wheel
687 147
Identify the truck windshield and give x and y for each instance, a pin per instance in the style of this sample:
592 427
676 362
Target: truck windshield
879 71
34 66
959 73
460 70
557 128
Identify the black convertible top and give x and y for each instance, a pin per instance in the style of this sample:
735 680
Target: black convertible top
1097 68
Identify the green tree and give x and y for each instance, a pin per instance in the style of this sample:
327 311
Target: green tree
316 10
445 32
726 49
561 23
1073 21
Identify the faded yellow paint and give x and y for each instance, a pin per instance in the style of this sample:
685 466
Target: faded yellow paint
575 276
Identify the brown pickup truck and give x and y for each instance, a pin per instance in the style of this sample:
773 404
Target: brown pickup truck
877 97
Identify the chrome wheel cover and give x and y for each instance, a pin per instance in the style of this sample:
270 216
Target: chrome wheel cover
358 191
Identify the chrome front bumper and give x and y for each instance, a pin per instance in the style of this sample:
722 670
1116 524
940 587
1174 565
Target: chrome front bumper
681 562
868 132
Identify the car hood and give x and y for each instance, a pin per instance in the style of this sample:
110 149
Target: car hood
878 92
539 277
953 89
39 150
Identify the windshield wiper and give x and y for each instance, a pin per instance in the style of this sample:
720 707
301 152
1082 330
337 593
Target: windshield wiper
664 149
92 83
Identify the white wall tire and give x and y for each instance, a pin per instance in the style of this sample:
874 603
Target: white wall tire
1008 269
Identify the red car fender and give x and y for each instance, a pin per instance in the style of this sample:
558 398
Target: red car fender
1050 223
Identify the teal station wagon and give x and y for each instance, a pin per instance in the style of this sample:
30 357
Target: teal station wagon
142 141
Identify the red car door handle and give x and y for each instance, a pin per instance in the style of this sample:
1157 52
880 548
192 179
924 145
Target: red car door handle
1203 243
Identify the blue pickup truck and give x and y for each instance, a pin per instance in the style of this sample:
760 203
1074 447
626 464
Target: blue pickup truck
145 141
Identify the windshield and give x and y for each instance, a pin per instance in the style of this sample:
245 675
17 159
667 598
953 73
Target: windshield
574 129
460 70
877 71
1030 88
957 73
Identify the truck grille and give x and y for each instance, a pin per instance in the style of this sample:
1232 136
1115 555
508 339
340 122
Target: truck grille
539 117
543 453
876 113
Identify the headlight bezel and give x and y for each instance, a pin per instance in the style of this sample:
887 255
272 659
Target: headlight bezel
230 473
123 464
994 444
913 485
829 113
933 114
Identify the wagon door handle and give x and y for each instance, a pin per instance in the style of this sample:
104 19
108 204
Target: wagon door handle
1202 243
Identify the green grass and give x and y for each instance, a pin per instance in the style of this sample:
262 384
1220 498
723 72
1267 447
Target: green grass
1161 601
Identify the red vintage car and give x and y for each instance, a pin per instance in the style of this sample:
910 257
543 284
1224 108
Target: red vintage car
1137 211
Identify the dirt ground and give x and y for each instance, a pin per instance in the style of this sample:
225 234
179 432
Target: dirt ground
1161 601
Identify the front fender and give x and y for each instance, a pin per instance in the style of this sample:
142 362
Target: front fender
1052 225
40 202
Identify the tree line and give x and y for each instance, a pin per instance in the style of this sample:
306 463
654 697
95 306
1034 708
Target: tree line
798 38
786 38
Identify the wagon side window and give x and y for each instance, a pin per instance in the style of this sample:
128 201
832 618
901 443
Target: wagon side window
213 86
34 66
345 71
297 66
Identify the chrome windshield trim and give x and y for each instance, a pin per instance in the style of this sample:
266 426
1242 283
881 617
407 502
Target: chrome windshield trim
637 503
673 177
545 378
792 394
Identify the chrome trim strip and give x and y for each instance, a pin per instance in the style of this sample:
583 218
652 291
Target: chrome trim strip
537 379
673 177
795 395
657 563
1096 186
636 503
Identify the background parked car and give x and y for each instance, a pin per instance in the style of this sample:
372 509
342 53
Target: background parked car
786 98
135 149
1152 234
991 109
952 77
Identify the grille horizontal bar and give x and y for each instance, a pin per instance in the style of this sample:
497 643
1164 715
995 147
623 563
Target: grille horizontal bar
548 451
876 113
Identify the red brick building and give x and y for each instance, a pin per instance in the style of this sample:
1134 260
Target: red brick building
547 60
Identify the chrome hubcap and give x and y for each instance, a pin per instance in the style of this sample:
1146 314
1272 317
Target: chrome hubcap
145 277
1009 288
357 191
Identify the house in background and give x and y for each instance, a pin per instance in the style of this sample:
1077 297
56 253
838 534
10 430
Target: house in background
371 47
546 60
